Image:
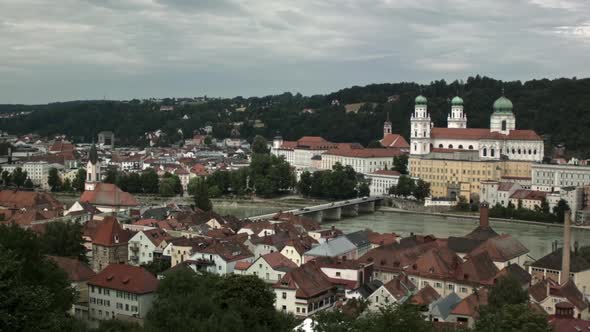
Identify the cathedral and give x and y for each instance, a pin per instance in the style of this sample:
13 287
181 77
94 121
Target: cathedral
501 141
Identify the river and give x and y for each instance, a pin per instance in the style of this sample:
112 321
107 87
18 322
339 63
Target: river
536 238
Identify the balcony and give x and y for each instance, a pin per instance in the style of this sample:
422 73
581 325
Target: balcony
134 246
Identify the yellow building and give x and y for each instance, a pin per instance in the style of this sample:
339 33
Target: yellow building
453 173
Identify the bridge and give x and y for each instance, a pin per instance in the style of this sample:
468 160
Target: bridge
335 210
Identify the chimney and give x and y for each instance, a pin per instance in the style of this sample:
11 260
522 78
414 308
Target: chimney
567 238
484 215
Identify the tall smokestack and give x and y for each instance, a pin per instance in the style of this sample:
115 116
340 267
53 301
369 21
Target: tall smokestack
484 215
567 239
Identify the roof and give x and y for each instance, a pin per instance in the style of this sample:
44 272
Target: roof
127 278
482 134
516 272
242 265
308 280
400 287
332 248
359 238
552 261
382 238
425 296
386 172
365 153
444 305
108 194
394 141
501 248
477 268
278 261
28 199
110 233
569 291
368 288
157 236
528 194
75 269
462 244
482 233
469 306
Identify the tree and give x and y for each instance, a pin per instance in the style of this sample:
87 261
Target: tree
374 144
35 293
6 178
79 180
559 210
19 177
149 181
400 164
53 179
421 190
111 176
364 189
545 206
507 290
511 317
405 317
67 185
405 186
167 187
259 145
63 239
208 141
305 182
29 184
201 196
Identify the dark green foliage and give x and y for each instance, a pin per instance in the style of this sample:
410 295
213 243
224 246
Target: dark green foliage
67 185
157 266
259 145
364 189
405 186
187 301
507 290
304 184
19 177
374 144
34 293
559 210
341 182
53 180
510 212
167 186
400 164
80 180
63 239
114 325
201 195
149 181
29 184
110 176
421 190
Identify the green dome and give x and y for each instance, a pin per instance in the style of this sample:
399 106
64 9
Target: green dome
457 101
503 104
421 100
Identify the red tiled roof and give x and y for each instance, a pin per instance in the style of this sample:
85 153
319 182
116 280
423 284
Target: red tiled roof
425 296
382 238
501 248
110 233
28 199
399 286
242 265
569 291
108 194
529 194
156 236
469 306
395 141
125 278
308 280
364 153
482 133
76 270
61 146
277 260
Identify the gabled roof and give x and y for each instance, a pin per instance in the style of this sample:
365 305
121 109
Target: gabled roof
394 141
359 238
400 287
278 261
552 261
156 236
127 278
425 296
462 244
308 280
469 306
477 268
437 262
501 248
108 194
569 291
75 269
528 194
443 306
482 233
332 248
110 233
28 199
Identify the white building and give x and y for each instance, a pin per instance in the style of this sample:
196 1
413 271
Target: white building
146 244
494 192
270 267
546 177
299 153
121 290
222 256
502 139
362 160
38 171
381 181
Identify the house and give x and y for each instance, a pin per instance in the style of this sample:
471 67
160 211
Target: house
78 275
504 250
424 297
107 197
361 240
270 267
467 311
15 199
528 199
550 266
395 291
563 320
181 249
109 244
296 248
82 212
440 309
547 293
349 275
222 255
304 291
121 290
340 247
147 244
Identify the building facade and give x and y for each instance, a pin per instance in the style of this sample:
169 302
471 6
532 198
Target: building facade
550 178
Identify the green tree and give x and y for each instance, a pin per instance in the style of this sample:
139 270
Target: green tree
6 178
305 182
201 196
259 145
511 317
79 180
421 190
167 187
35 293
405 186
111 176
29 184
208 141
19 177
400 164
559 210
405 317
149 181
67 185
53 179
364 189
545 206
374 144
506 291
63 239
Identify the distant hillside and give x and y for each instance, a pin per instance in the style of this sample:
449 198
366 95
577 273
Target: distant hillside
558 109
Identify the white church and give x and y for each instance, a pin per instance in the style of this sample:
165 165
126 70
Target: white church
501 140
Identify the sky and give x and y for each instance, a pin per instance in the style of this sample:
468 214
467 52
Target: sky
58 50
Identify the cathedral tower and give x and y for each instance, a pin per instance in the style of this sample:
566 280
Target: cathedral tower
420 128
457 119
503 119
386 126
93 175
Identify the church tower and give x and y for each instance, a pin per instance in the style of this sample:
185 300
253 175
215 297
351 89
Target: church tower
420 128
457 119
386 126
93 175
503 119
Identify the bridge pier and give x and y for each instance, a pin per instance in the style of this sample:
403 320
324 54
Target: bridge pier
333 214
350 210
318 216
367 207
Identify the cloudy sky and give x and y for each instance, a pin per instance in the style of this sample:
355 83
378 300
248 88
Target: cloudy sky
55 50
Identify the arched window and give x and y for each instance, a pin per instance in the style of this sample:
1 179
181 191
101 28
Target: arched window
450 146
519 151
431 146
415 133
530 152
460 146
415 147
492 152
440 146
471 147
535 151
513 151
485 152
424 133
503 125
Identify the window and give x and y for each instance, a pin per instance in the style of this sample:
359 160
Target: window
376 299
485 152
284 308
298 310
284 295
463 289
503 125
451 287
126 307
338 274
437 285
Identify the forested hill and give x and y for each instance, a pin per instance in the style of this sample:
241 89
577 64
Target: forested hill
558 109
